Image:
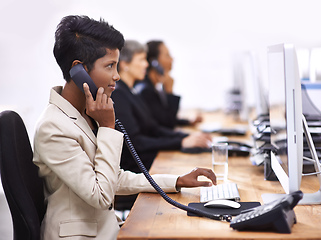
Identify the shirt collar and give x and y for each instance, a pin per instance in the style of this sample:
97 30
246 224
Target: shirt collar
68 109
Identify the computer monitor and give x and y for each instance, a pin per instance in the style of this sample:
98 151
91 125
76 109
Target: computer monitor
311 106
260 94
286 119
247 79
315 70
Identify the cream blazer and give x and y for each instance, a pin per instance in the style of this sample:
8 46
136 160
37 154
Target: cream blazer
82 175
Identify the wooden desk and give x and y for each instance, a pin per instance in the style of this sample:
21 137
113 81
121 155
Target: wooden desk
153 218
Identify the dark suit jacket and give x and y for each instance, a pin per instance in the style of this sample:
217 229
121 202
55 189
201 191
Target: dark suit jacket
164 114
146 134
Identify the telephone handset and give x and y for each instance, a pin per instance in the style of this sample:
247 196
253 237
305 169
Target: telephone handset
277 215
155 64
80 76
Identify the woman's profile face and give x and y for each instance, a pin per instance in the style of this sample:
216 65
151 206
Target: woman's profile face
138 65
164 58
104 72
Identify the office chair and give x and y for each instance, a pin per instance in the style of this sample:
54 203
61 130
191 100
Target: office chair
22 186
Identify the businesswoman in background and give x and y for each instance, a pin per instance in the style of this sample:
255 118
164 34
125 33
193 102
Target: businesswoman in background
157 88
76 146
146 134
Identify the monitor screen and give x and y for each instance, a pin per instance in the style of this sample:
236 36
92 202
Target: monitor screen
285 116
247 78
260 93
311 106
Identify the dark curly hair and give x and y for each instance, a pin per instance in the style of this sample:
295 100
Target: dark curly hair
84 39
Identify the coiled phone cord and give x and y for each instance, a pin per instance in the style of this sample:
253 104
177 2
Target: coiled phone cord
158 188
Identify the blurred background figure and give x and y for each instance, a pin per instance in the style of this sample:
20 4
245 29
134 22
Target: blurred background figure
146 134
157 88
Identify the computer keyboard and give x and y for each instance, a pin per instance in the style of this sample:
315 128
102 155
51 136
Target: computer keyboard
220 191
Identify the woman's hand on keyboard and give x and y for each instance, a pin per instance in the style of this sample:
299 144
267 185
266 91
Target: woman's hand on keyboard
190 179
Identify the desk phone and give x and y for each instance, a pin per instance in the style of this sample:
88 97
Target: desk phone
234 149
277 215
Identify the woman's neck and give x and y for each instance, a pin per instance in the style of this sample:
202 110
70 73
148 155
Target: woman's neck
78 100
127 78
74 95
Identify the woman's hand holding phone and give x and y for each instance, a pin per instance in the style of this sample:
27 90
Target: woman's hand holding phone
168 83
101 109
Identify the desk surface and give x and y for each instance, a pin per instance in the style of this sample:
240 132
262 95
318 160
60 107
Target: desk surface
153 218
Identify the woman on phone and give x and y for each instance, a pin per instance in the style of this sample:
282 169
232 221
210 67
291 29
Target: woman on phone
76 146
157 88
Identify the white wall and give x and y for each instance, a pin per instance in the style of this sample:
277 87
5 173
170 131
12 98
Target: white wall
202 35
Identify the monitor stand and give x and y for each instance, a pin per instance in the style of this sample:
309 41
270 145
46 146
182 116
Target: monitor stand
311 198
308 198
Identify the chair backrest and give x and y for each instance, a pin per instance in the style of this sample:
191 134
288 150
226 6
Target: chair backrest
21 184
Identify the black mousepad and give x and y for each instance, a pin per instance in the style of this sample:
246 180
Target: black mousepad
230 211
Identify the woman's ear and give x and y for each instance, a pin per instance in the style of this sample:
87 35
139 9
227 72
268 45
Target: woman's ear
75 62
123 66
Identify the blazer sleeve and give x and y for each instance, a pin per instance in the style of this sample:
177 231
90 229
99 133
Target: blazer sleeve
132 183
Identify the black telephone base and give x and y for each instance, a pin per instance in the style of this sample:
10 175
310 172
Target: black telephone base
277 215
281 221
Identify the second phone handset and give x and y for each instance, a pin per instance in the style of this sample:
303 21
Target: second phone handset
80 76
159 69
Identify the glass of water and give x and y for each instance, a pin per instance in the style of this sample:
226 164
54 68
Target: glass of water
220 160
